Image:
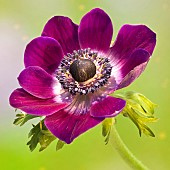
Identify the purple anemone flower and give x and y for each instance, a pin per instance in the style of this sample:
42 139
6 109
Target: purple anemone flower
70 70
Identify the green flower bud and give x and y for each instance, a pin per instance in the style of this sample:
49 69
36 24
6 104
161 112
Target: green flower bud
140 110
144 103
106 128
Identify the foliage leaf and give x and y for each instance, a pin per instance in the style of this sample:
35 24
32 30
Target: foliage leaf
22 118
39 134
60 145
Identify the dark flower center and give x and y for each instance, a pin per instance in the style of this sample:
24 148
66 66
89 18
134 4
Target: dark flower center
82 70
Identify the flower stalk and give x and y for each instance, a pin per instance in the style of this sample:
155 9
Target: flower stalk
124 152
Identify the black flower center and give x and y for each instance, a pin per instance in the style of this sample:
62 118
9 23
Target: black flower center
82 70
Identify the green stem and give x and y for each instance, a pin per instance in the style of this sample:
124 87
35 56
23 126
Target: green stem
124 152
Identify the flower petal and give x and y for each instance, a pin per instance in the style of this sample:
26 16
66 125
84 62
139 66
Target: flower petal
44 52
132 75
38 82
95 30
109 107
20 99
123 67
64 31
131 38
67 126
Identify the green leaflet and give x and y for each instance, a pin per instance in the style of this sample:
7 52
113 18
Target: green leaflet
60 145
39 134
23 118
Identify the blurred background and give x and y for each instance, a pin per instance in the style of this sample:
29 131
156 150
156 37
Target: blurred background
21 21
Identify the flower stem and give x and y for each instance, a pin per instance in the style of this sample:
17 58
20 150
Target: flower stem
124 152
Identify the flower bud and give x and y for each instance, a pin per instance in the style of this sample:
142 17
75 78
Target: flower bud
140 110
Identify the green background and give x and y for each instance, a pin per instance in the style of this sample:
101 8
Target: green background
21 21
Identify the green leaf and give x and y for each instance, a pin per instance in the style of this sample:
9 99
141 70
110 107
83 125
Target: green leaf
23 118
17 121
60 145
45 141
39 134
27 118
35 132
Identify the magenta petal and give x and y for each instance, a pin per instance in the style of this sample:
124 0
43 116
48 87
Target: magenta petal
20 99
123 67
109 107
44 52
131 38
95 30
67 127
64 31
138 57
132 75
38 82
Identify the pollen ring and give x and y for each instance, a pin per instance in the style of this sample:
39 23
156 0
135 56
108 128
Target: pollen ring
83 71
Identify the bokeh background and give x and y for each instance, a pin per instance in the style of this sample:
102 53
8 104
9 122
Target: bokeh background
21 21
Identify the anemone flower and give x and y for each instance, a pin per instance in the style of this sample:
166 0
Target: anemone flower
70 70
